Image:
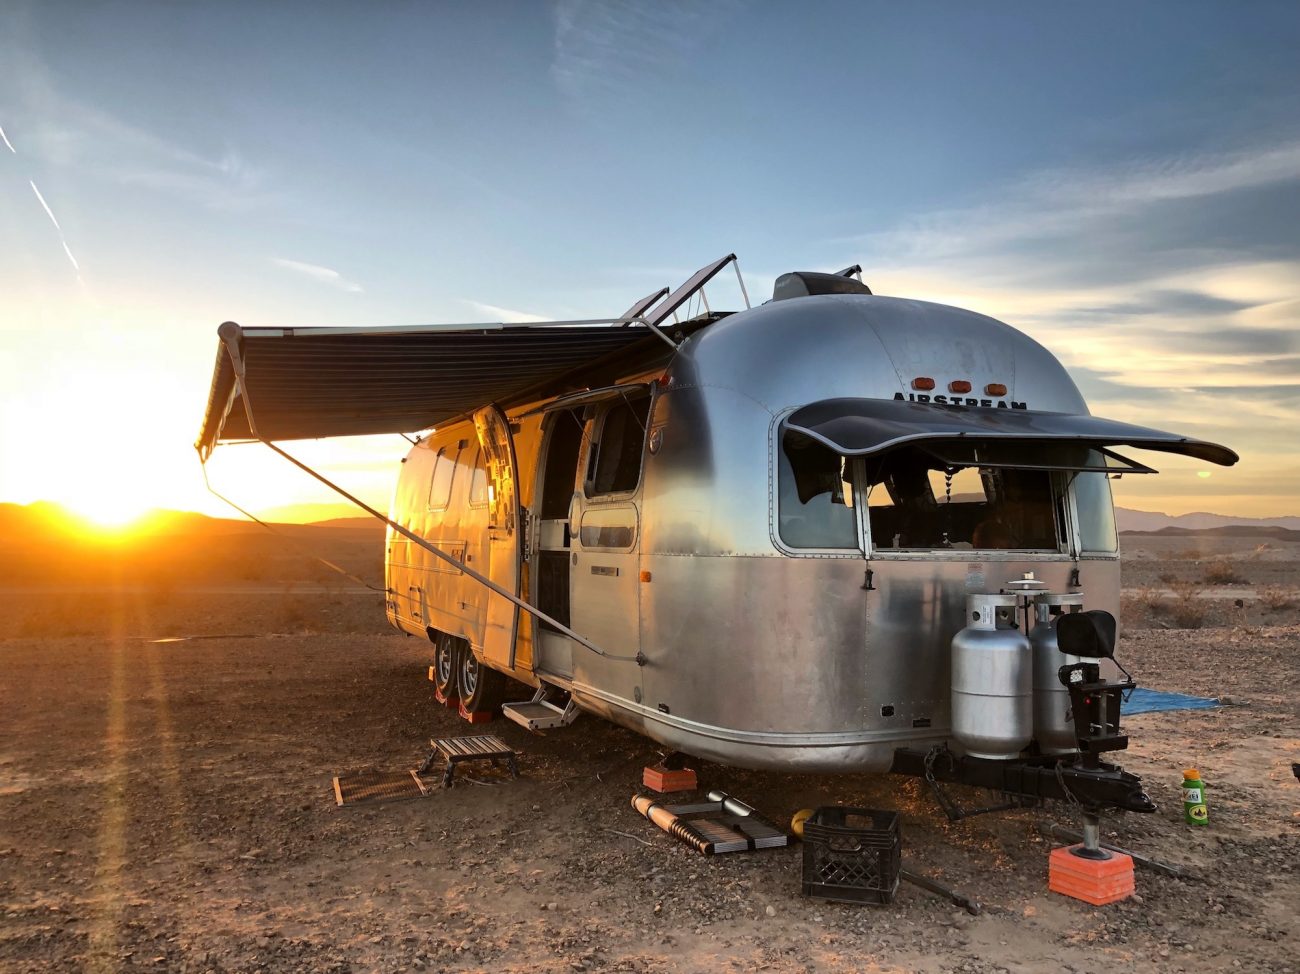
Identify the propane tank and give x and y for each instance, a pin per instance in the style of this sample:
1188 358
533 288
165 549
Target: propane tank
992 680
1053 722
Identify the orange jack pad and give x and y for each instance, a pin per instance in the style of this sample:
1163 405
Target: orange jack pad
1095 881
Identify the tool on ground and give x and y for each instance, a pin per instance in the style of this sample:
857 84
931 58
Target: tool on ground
721 824
966 903
1196 809
455 750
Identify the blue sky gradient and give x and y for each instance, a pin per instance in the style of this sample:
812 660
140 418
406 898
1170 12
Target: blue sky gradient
1120 181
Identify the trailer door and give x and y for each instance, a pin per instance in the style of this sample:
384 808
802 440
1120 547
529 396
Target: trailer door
504 531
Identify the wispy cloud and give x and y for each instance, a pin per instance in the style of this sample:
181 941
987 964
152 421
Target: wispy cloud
494 313
1064 202
7 143
1151 281
77 134
325 275
604 48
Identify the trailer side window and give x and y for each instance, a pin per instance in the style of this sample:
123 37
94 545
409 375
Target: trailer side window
444 471
616 465
1096 513
814 504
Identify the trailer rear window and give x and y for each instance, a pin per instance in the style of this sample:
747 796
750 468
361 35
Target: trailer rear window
915 502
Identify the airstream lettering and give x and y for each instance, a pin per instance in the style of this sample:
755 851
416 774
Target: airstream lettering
745 535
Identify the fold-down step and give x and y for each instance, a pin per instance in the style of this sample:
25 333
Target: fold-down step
539 713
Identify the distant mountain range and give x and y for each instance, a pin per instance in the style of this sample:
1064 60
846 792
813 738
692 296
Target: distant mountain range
15 519
1148 521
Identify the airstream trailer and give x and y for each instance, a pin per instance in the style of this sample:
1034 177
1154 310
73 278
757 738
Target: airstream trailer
751 536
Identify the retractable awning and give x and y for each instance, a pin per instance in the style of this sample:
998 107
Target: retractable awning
304 383
860 427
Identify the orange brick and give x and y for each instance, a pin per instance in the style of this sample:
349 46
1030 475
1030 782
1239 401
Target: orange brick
1095 881
473 716
451 703
658 778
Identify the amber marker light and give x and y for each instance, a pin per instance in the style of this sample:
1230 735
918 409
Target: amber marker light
995 389
922 383
959 385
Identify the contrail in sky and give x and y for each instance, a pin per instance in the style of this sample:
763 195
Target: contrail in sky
6 141
48 211
54 220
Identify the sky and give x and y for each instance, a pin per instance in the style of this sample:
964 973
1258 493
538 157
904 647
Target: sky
1119 181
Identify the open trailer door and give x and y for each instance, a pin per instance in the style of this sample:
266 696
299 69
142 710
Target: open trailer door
504 534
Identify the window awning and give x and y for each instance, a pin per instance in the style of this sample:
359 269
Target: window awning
304 383
860 427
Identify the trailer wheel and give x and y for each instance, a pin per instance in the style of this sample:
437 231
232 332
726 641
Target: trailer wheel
445 664
481 687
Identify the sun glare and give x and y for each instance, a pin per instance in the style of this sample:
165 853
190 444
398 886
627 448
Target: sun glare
108 513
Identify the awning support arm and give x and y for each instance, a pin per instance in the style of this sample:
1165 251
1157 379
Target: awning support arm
639 658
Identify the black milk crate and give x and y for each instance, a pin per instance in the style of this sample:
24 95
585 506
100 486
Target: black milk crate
851 855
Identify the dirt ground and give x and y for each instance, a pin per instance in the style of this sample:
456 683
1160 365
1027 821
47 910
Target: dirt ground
168 807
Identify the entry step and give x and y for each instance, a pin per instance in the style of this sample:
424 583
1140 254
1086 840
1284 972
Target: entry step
539 713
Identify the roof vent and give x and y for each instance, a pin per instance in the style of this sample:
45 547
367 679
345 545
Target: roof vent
801 284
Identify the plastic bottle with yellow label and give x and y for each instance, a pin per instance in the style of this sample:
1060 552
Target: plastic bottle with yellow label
1196 811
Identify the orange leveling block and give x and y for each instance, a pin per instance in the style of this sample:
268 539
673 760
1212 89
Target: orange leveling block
670 774
1088 872
452 702
473 716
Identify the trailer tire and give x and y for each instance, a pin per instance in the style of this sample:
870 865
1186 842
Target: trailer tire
481 687
446 666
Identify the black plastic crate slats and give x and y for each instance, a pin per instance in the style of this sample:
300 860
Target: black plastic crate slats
852 855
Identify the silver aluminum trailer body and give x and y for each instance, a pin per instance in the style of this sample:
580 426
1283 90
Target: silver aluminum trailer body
774 632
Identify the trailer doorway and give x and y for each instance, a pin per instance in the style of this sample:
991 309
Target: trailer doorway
556 478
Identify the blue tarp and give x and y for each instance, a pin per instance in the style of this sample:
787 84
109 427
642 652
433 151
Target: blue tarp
1146 701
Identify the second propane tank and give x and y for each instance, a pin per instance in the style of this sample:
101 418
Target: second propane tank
992 680
1053 723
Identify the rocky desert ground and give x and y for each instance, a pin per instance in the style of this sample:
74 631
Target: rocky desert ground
167 806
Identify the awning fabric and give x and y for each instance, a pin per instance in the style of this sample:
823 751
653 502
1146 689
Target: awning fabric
859 427
304 383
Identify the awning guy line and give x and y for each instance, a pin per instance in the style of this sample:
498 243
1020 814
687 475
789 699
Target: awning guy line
639 659
280 534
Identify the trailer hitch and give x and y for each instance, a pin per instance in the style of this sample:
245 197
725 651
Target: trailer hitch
1095 788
